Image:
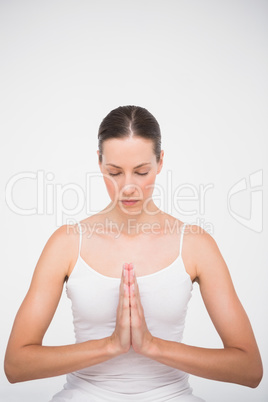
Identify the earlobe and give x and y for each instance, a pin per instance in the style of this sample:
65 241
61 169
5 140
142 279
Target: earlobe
160 163
159 169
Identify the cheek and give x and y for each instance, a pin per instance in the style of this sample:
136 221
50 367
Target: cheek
148 185
111 187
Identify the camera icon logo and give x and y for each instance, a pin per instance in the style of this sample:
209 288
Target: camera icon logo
255 192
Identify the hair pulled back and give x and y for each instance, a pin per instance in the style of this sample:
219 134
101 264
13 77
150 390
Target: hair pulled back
126 121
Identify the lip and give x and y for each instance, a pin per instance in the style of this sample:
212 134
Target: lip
129 202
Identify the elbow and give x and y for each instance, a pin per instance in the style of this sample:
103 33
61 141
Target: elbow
249 369
12 373
255 373
13 377
255 378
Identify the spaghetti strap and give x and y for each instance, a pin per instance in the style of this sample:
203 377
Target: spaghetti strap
181 239
80 237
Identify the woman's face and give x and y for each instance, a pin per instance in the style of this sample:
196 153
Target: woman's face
130 168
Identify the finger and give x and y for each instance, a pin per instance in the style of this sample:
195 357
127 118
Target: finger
126 289
134 290
128 283
135 317
133 299
133 287
125 303
131 277
123 276
131 273
122 289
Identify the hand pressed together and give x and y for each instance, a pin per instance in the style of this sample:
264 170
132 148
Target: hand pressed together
131 328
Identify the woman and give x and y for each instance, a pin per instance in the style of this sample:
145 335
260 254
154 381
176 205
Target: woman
129 271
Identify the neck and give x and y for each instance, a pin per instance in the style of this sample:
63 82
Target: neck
134 221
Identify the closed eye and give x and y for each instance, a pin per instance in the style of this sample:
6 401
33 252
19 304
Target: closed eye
140 174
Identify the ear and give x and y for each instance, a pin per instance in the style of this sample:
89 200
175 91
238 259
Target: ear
160 163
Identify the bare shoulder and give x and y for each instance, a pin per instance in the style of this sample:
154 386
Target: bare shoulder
203 248
63 237
58 251
199 237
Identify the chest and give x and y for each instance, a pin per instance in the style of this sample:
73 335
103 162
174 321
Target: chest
148 254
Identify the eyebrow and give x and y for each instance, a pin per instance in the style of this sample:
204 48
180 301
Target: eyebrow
142 164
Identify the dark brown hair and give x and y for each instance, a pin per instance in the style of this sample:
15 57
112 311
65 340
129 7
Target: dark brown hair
130 120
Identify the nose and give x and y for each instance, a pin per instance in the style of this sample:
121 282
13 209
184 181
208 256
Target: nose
128 189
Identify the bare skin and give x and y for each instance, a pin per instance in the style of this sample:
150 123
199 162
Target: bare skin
26 358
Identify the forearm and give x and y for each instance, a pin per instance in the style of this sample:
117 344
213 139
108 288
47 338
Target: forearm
36 361
228 364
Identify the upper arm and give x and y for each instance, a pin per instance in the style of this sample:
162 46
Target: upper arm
219 295
42 298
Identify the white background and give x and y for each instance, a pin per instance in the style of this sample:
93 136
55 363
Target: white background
201 68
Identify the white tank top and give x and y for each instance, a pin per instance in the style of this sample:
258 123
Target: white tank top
129 377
